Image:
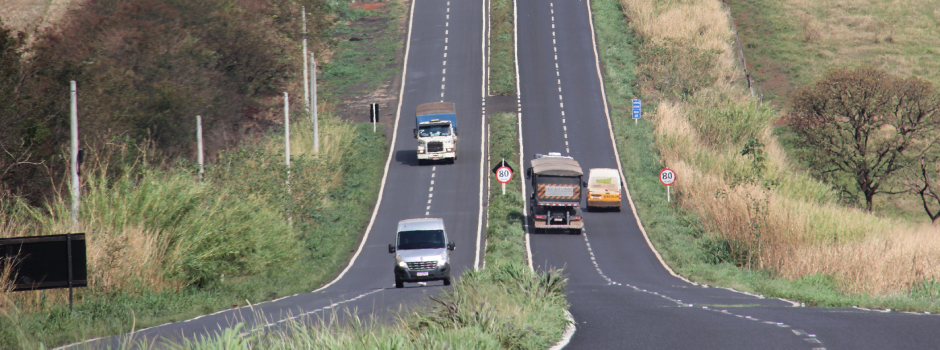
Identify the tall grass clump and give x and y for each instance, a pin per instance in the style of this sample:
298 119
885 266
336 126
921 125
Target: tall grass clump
740 203
502 64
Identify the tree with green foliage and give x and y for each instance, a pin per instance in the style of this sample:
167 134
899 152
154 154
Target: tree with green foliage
865 124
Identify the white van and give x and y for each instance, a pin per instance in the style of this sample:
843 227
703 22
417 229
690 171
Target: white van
422 252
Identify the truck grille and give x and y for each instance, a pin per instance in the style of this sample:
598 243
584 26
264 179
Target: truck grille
422 265
435 146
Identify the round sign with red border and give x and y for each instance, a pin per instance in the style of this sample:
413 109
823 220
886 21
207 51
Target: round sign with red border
503 174
667 177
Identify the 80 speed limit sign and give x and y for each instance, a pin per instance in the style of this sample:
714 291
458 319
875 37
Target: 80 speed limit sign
503 174
667 177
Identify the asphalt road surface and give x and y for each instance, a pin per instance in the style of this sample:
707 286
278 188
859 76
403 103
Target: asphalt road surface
443 63
621 295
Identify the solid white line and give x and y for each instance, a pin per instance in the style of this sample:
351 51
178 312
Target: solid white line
388 161
483 155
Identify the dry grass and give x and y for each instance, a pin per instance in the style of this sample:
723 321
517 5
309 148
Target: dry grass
23 15
775 219
899 36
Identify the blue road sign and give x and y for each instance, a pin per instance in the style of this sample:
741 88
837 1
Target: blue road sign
636 108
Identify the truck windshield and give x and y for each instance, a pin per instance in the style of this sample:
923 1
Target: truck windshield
434 130
423 239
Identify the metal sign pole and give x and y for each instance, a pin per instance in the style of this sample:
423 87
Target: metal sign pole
68 239
202 168
668 194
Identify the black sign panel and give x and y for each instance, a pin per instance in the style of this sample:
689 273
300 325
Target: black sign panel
374 112
42 262
502 163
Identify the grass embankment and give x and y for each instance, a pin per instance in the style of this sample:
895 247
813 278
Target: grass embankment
164 246
502 63
793 43
745 221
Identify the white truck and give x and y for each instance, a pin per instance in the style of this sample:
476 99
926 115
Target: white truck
436 131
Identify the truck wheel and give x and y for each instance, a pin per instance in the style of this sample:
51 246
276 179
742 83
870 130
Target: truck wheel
447 281
399 283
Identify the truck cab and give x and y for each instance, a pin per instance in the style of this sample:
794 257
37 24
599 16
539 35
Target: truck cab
422 252
436 131
556 193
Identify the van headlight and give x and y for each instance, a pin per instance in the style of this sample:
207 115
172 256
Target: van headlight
401 262
441 261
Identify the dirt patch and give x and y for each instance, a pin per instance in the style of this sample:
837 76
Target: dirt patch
368 6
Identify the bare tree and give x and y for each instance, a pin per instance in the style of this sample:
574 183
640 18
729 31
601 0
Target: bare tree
865 124
923 178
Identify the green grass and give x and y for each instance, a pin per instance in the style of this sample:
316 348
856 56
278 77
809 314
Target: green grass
792 43
678 235
366 64
502 51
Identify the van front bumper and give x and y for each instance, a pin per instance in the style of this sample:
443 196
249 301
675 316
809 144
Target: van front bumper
408 275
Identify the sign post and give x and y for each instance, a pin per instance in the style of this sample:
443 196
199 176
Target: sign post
374 114
503 173
667 177
637 111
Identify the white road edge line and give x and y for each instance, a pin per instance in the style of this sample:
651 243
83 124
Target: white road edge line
483 155
388 161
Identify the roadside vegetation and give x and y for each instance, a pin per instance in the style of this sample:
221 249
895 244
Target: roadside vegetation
502 65
164 245
743 214
505 305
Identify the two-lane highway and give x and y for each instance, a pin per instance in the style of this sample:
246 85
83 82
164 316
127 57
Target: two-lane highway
444 62
621 294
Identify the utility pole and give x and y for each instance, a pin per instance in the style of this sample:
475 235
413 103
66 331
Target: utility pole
306 74
199 157
76 197
313 103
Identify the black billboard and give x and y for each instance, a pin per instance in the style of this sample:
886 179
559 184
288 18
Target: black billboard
42 262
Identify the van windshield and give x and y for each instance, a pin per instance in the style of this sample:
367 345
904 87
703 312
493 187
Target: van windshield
422 239
434 130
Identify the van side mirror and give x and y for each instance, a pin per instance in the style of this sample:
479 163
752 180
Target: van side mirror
391 248
451 246
584 184
415 131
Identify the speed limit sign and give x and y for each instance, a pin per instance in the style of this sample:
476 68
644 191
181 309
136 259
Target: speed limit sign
667 177
503 174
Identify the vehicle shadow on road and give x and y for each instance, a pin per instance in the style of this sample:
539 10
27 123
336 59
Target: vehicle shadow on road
406 157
